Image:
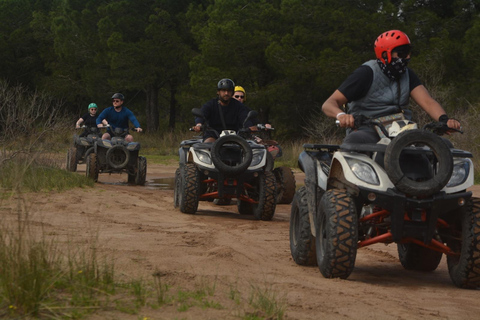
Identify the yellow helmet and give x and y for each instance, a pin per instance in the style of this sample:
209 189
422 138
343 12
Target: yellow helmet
239 88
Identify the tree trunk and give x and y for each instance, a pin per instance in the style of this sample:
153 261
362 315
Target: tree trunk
151 110
173 105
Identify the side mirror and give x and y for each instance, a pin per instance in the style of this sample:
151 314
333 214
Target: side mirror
197 112
251 115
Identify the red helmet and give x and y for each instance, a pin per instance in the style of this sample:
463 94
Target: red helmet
387 41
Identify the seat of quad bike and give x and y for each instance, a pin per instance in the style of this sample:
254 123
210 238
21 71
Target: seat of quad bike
190 142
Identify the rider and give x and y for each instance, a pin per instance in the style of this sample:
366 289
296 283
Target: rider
382 87
240 94
117 116
222 112
89 119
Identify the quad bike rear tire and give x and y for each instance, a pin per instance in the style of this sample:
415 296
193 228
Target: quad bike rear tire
177 189
302 242
222 202
269 162
440 150
226 168
92 167
263 193
188 195
72 159
464 269
415 257
118 157
285 185
336 234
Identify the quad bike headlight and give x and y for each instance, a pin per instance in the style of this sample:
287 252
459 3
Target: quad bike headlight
459 174
203 157
257 157
363 171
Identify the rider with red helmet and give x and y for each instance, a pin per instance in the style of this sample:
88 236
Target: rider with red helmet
382 87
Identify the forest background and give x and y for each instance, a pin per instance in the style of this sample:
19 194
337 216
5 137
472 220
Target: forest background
166 56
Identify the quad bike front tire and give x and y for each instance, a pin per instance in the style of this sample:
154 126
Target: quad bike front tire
285 185
439 148
229 170
89 150
189 188
336 234
464 269
72 159
263 193
302 242
92 167
141 176
118 157
415 257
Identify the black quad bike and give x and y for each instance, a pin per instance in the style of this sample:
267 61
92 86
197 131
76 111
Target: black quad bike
230 167
117 156
82 147
410 189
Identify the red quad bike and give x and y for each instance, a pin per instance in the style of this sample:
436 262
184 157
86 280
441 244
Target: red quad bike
82 147
410 189
284 176
117 156
230 167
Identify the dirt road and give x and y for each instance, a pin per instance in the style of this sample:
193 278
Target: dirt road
239 256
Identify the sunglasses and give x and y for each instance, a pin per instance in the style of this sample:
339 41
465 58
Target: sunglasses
239 97
116 100
403 51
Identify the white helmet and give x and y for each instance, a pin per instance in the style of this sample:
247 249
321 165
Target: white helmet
396 127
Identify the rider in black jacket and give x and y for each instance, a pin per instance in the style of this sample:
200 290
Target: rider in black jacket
233 112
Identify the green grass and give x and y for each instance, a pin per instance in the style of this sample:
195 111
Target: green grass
32 177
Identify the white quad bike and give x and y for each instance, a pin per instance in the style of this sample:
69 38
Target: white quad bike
410 189
230 167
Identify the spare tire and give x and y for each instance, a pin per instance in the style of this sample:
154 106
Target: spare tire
439 148
235 168
118 157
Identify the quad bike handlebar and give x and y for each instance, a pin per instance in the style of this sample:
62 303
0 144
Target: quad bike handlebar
438 127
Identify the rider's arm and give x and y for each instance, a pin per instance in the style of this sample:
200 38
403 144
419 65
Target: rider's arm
134 120
421 96
332 108
101 118
79 122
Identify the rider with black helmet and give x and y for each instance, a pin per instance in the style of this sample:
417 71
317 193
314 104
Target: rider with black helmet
223 112
118 117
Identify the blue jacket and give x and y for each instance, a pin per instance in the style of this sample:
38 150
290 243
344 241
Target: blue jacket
118 119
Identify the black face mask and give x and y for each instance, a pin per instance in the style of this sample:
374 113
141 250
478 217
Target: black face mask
395 68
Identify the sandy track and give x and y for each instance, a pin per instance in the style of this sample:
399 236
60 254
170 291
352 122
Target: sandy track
140 227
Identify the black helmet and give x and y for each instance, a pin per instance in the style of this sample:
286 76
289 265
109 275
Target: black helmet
118 96
225 84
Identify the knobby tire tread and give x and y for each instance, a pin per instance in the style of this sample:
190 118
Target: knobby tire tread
465 270
302 242
190 189
338 232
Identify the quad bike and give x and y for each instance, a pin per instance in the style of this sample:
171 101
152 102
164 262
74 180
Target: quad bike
284 176
82 147
230 167
410 188
117 156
